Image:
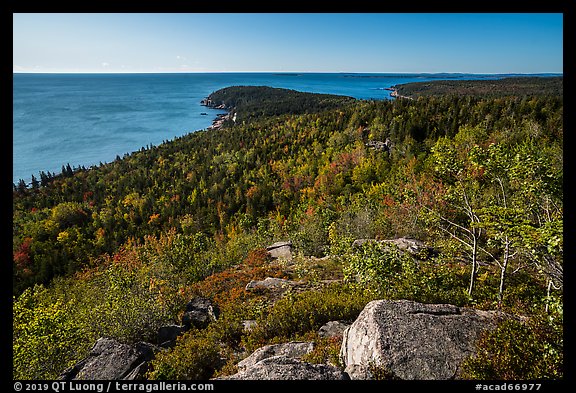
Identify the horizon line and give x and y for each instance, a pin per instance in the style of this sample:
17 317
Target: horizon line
284 72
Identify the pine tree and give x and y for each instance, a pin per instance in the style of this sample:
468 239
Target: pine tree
44 179
35 183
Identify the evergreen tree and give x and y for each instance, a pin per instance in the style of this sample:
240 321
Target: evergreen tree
21 186
35 183
44 179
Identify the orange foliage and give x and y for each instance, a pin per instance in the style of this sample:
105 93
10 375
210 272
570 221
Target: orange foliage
251 192
153 218
228 286
387 200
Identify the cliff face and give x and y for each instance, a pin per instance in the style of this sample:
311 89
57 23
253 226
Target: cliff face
221 119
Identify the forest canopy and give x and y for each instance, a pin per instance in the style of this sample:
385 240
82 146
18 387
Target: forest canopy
118 249
515 86
260 101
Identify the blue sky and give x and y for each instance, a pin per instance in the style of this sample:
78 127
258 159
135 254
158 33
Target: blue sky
332 42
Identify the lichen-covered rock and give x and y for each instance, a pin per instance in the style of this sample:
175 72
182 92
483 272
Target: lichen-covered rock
282 362
112 360
358 372
286 368
278 285
412 340
281 250
293 349
333 329
249 324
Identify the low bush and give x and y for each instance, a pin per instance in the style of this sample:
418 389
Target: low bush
518 351
195 357
298 313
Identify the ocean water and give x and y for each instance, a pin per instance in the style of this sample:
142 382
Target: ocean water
85 119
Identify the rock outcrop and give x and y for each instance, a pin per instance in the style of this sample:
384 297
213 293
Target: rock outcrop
379 145
249 324
413 340
293 349
281 250
359 372
333 329
285 368
282 362
167 335
199 313
414 247
272 284
112 360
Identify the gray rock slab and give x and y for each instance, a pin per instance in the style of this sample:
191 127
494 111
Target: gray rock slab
413 340
333 329
271 283
293 349
112 360
285 368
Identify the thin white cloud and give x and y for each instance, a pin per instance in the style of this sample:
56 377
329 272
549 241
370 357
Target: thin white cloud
105 64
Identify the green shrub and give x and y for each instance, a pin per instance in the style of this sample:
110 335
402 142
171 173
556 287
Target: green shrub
67 214
326 351
392 274
47 337
310 239
307 311
228 329
194 357
375 263
518 351
127 297
434 281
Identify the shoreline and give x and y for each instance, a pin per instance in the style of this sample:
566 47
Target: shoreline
395 94
221 118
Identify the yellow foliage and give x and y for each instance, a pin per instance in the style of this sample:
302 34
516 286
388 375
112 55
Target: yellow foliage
63 236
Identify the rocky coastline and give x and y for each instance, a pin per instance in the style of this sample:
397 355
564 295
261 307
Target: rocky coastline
394 93
221 118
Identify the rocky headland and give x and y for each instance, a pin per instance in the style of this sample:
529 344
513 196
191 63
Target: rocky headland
220 119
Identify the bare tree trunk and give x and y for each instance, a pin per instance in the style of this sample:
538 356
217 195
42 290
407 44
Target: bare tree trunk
503 268
474 266
548 293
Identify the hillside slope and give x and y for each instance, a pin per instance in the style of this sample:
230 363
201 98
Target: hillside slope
120 249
